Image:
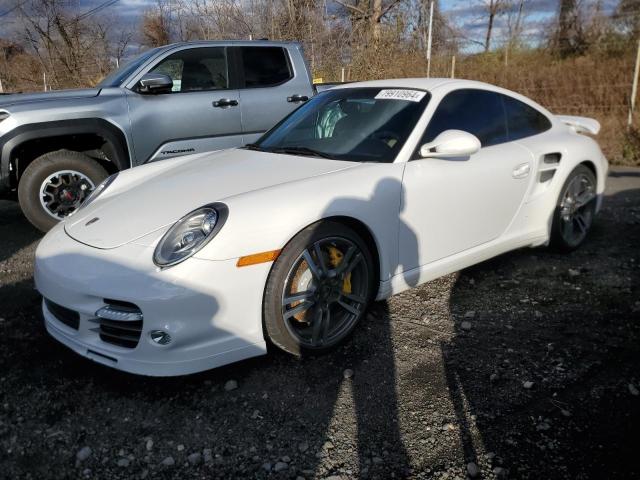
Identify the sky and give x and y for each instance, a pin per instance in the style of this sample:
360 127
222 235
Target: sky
467 15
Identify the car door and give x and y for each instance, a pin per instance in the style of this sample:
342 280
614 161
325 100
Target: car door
452 205
271 86
200 114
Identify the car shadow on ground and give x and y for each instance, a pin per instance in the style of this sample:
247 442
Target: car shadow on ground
543 350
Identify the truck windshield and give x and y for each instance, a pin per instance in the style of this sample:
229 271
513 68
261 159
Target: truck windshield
354 124
115 78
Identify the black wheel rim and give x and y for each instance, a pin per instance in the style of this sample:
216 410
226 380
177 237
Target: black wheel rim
325 292
61 193
577 209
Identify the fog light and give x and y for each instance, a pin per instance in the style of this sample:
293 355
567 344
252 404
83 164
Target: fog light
160 337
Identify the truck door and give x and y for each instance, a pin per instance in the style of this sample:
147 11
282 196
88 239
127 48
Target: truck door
272 82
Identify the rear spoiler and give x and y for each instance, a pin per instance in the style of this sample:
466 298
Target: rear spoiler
581 124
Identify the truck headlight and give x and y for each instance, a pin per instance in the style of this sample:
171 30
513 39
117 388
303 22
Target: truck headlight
190 234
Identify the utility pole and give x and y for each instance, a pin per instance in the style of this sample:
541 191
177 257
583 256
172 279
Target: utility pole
429 40
44 80
1 88
453 66
634 88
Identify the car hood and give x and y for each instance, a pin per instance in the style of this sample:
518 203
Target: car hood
22 98
150 197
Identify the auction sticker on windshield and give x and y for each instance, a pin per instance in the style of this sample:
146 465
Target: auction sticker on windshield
398 94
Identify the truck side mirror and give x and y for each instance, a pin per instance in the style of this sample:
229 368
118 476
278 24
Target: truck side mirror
154 83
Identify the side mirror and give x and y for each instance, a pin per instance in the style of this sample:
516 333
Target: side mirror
451 144
155 83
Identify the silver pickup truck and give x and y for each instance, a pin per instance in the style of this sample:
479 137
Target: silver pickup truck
56 147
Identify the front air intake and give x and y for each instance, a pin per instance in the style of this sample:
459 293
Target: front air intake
70 318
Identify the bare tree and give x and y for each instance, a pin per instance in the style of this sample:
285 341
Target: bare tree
493 9
156 25
569 38
371 13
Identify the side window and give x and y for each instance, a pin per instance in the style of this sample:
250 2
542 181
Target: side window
264 66
196 69
523 120
478 112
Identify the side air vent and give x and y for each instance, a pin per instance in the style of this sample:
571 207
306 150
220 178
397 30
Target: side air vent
552 158
120 323
64 315
546 175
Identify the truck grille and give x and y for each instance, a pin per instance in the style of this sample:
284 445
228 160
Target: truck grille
123 333
64 315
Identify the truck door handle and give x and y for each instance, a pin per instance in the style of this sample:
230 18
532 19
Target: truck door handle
521 171
297 98
225 102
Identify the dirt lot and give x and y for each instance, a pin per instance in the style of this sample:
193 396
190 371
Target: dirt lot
526 366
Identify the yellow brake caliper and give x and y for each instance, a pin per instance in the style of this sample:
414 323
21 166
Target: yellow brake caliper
335 258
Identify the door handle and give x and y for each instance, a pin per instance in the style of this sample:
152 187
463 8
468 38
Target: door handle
521 171
297 98
225 102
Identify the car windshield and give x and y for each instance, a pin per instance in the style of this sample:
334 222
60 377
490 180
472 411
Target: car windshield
115 78
354 124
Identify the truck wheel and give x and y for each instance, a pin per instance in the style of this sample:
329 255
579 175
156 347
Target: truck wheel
55 185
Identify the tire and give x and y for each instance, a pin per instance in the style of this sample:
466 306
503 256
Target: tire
83 173
298 334
573 219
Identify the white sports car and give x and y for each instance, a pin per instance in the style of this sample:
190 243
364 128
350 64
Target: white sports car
364 191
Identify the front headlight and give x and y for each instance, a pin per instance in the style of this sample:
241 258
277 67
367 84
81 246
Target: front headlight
98 190
190 234
3 116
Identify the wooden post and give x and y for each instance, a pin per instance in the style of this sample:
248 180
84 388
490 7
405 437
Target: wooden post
342 75
634 88
44 80
1 88
429 40
453 67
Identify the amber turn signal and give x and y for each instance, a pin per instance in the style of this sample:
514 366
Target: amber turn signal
256 258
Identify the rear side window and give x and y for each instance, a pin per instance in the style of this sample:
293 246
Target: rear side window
264 66
523 120
478 112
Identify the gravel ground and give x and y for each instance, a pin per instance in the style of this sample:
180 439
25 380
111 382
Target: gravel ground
526 366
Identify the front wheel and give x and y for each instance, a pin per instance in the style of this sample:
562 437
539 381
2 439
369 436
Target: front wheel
575 210
318 289
55 184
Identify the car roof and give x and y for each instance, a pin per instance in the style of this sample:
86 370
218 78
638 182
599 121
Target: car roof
428 84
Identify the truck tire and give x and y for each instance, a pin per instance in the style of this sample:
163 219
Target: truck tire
55 185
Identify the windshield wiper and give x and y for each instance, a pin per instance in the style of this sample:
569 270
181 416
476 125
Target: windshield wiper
302 151
255 146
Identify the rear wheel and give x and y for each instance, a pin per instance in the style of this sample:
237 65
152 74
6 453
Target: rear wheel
55 184
575 210
318 289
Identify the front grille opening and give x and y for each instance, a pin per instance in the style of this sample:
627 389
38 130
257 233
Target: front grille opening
123 333
69 317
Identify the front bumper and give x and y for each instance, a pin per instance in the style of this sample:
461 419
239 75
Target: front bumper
211 309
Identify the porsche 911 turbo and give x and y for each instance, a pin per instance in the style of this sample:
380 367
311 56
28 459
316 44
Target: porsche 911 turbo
364 191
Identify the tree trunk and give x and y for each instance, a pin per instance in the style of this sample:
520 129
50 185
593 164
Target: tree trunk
487 42
376 17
